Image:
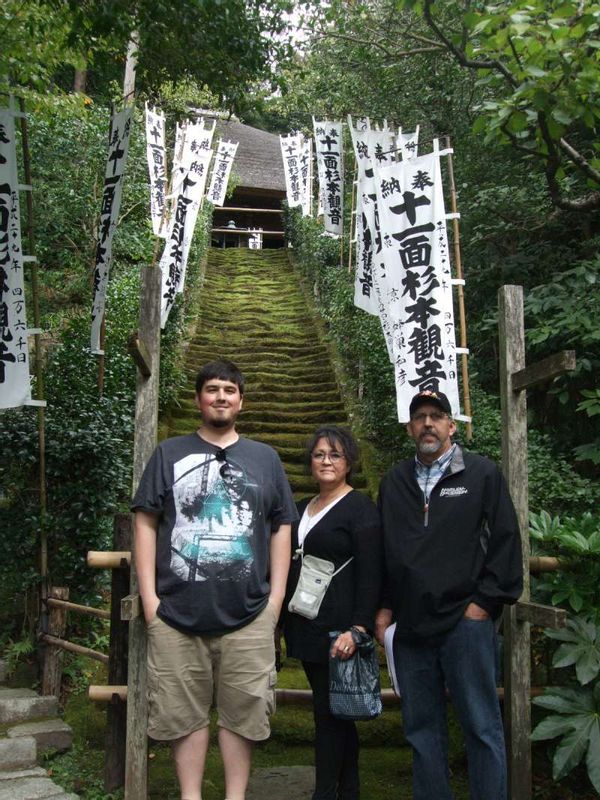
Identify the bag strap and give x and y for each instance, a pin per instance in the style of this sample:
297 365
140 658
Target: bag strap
300 552
345 564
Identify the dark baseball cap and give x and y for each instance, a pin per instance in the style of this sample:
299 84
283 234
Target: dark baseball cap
436 398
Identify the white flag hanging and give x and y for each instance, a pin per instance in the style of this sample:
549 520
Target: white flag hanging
173 263
255 241
220 175
306 155
157 167
408 143
370 146
15 386
291 154
416 286
120 128
330 169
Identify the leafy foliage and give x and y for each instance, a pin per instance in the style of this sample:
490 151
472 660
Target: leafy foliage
580 648
224 45
577 542
576 718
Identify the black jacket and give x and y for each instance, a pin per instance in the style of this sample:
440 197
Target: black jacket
467 547
350 528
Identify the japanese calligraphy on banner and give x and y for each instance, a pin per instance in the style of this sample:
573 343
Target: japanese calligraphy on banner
157 167
120 128
370 147
191 182
256 240
330 170
291 152
408 143
416 287
220 175
15 387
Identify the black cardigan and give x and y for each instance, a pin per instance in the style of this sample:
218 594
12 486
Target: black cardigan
350 528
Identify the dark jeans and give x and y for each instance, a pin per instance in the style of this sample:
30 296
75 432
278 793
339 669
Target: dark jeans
464 660
336 743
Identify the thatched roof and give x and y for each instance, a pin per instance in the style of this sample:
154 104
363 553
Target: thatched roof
258 161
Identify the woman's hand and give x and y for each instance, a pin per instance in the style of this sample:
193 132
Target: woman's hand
344 646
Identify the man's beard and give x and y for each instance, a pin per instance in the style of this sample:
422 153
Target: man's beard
219 422
429 447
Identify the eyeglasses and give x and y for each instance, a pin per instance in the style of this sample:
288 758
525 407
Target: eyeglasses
437 416
334 456
225 470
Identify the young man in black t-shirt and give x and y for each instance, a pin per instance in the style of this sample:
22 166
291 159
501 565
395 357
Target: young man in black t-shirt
212 547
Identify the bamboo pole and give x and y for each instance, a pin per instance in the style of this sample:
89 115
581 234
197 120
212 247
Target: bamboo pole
353 195
108 559
101 613
71 647
39 372
461 296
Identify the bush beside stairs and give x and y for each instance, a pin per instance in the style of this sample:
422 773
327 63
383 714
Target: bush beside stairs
253 311
29 727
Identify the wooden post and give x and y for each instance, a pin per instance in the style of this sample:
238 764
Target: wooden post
39 370
116 713
57 623
517 667
146 428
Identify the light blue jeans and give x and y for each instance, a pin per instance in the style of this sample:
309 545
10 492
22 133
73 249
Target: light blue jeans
464 660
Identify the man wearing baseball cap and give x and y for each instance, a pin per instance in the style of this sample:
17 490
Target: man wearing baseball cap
453 559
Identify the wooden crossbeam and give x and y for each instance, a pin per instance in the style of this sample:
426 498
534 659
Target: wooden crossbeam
541 615
544 370
139 352
224 209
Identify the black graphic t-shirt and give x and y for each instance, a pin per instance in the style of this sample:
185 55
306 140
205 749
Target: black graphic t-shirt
217 510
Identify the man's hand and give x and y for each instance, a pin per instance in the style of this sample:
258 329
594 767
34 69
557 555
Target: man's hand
150 606
473 611
383 620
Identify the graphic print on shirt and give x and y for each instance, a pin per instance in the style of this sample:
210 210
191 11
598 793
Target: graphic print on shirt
215 506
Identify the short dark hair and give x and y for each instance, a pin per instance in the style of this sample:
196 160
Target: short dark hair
222 369
340 438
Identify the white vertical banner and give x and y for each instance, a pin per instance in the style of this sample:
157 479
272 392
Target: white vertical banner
408 143
15 386
220 175
417 287
120 127
370 147
330 169
255 242
192 174
157 168
291 153
306 154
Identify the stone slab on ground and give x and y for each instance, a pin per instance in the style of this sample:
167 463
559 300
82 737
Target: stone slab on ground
281 783
18 754
30 788
23 773
25 707
50 734
9 694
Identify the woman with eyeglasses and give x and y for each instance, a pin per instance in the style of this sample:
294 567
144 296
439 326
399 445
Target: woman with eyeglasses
341 525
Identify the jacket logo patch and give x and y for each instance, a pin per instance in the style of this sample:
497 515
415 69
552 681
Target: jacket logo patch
454 491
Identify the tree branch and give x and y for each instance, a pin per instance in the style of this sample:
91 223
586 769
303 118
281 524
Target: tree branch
460 56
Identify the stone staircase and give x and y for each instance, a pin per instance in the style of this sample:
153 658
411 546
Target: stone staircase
254 313
29 727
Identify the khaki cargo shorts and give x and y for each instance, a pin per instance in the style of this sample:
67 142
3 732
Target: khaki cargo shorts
188 673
